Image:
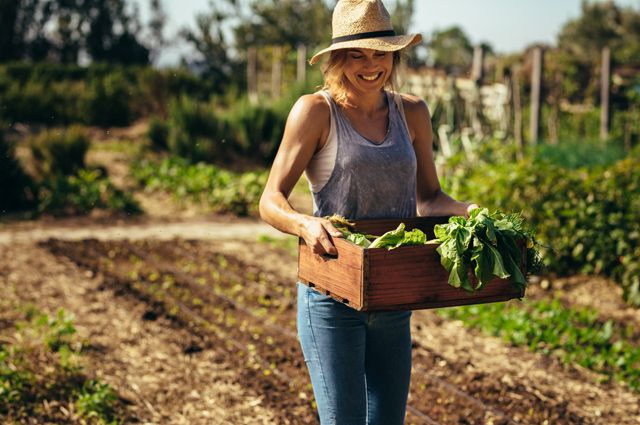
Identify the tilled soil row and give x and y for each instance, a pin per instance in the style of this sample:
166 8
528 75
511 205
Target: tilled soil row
163 373
442 389
263 364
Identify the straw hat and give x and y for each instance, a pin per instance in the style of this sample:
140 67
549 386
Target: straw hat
364 24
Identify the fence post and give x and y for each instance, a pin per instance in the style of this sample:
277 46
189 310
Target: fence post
301 71
536 89
276 72
517 110
605 78
477 71
252 74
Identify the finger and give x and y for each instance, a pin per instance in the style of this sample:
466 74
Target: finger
328 246
331 230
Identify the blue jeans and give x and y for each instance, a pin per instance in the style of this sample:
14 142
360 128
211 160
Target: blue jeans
360 363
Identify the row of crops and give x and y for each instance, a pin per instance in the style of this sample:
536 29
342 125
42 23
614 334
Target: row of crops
251 312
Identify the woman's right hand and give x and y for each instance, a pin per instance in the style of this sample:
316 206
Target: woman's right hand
317 233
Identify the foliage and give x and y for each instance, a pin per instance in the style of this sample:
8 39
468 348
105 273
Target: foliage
41 363
210 43
158 133
222 190
450 49
578 154
82 193
96 400
586 219
16 188
576 335
205 131
60 151
59 30
487 243
99 94
108 101
286 23
603 24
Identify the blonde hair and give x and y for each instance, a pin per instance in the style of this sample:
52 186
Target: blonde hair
336 82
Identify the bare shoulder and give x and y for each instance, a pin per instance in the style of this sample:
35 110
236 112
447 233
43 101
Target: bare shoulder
311 107
414 106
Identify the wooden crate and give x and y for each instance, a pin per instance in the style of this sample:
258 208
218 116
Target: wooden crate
405 278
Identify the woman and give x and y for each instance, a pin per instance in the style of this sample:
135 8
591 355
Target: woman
367 153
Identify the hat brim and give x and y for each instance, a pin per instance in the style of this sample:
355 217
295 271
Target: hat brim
384 44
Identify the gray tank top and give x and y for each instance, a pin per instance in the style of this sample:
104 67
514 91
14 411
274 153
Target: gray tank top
370 180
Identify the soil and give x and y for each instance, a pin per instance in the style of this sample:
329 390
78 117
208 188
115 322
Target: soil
192 321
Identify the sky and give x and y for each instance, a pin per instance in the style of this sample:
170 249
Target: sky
508 25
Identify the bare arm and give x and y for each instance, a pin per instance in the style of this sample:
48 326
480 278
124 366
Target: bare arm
307 127
431 200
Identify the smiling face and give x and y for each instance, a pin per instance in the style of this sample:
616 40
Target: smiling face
367 70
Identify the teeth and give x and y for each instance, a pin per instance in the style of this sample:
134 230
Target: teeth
370 77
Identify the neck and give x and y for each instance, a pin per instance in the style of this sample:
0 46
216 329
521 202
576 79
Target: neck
369 102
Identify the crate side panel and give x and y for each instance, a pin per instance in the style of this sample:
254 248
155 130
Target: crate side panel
341 275
414 276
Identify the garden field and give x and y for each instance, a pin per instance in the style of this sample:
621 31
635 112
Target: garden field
185 314
203 331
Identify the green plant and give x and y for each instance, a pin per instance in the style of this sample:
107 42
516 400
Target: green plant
576 335
40 364
158 133
60 151
96 400
72 195
586 219
222 190
16 187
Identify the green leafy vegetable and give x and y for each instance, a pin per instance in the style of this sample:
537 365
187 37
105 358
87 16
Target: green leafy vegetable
389 240
487 243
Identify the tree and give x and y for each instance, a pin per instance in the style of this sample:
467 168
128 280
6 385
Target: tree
284 22
451 50
210 43
58 30
156 29
581 40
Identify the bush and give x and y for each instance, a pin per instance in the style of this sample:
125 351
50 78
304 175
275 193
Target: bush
60 151
108 101
193 131
78 195
222 190
587 218
16 188
100 94
158 133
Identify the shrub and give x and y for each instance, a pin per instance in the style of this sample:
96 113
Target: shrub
108 101
89 190
222 190
587 218
193 128
16 188
60 151
157 133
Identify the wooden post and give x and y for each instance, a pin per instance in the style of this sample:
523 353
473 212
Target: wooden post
301 74
605 78
252 74
276 72
536 91
517 110
477 71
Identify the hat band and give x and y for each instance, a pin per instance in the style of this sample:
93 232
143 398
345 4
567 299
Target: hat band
362 35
